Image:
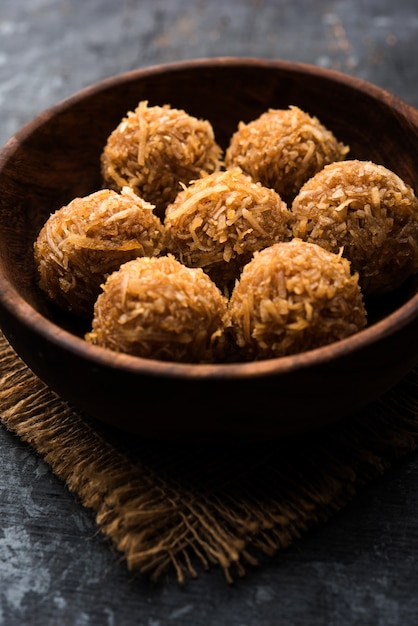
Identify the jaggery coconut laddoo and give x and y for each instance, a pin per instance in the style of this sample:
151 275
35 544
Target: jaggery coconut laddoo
158 308
370 212
219 221
84 241
154 148
294 296
283 148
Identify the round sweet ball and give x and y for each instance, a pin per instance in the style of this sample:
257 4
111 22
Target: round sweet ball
158 308
219 221
283 148
368 211
292 297
155 148
84 241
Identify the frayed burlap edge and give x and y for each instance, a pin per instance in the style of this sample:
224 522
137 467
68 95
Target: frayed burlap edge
182 509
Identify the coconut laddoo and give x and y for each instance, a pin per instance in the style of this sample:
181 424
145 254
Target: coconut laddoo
294 296
219 221
283 148
370 212
158 308
154 148
84 241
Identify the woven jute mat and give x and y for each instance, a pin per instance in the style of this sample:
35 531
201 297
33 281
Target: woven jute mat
187 508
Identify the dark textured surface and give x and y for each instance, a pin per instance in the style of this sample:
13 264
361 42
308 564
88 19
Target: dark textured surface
358 569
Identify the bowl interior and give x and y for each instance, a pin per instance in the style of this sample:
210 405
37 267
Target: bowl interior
56 157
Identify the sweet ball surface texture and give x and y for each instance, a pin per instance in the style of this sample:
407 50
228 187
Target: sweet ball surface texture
158 308
283 148
219 221
84 241
368 211
156 148
294 296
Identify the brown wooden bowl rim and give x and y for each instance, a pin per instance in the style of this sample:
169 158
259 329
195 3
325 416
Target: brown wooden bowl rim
335 76
31 318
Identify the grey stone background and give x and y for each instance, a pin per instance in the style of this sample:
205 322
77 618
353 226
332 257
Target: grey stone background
51 48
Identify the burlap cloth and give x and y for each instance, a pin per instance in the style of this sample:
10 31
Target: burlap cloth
183 508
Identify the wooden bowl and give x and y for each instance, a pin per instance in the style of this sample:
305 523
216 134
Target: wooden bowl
56 157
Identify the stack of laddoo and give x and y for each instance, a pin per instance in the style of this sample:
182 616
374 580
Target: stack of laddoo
194 254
